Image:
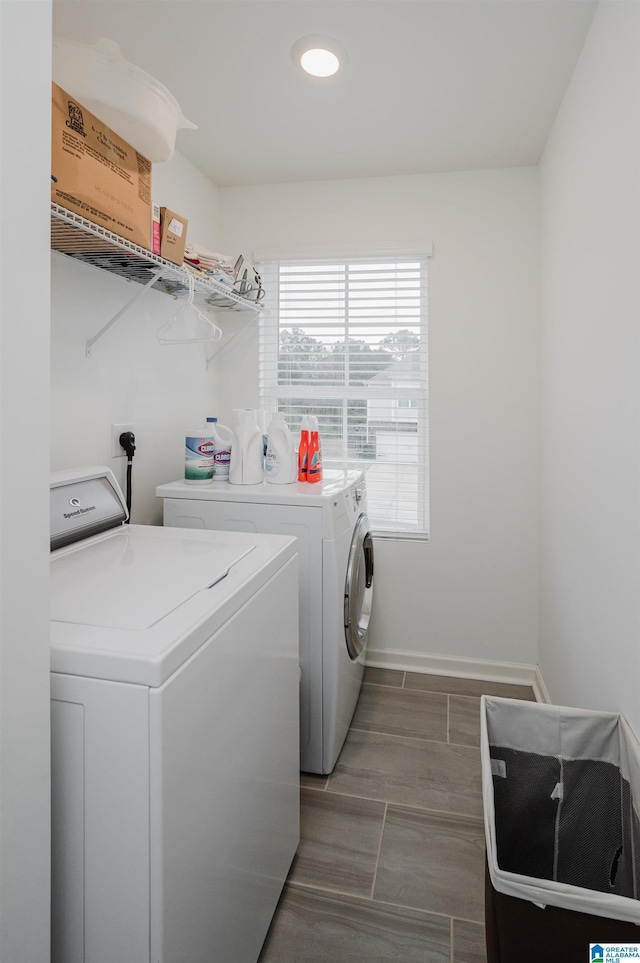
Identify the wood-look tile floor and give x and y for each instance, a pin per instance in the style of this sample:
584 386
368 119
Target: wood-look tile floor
390 865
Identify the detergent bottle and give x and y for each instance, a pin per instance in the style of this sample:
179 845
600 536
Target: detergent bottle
222 441
314 470
198 455
303 449
280 464
263 425
246 449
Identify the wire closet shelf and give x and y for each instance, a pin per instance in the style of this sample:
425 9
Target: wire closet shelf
79 238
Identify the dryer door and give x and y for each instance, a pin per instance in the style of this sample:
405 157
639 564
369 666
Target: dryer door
358 590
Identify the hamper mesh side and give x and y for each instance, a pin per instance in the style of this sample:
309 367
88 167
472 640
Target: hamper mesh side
624 878
590 832
572 821
525 813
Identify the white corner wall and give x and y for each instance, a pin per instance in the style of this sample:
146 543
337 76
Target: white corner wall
25 106
131 378
465 601
590 533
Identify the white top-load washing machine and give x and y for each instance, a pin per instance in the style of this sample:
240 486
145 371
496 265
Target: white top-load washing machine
335 550
175 731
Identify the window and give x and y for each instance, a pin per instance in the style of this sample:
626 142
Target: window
346 340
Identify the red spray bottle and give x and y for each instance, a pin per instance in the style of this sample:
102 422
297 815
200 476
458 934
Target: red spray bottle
303 450
314 471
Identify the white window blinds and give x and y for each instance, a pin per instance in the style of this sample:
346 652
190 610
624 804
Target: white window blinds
346 340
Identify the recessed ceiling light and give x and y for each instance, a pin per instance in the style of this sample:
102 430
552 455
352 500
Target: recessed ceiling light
318 56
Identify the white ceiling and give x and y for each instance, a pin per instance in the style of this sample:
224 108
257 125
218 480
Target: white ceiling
430 85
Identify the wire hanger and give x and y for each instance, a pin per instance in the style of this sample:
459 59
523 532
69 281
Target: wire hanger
205 329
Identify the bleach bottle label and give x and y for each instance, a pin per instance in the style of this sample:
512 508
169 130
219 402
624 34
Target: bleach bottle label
198 458
221 463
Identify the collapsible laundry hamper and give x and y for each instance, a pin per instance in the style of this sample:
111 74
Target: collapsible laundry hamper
561 794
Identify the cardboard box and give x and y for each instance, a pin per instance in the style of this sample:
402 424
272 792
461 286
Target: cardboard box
96 173
173 235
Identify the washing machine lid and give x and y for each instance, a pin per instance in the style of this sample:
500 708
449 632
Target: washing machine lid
107 591
131 603
134 576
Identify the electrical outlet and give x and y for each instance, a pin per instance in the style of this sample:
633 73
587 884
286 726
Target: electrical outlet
116 448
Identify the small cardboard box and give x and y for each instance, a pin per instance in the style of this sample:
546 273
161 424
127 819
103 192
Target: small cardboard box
155 227
96 173
173 235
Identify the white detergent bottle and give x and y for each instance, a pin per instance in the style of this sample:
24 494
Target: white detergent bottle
281 464
198 455
264 417
222 441
246 449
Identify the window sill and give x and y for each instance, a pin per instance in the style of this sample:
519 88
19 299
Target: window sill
388 535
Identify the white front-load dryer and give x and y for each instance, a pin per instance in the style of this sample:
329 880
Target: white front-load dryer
335 551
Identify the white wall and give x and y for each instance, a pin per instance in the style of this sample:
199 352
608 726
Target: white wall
470 593
130 378
25 106
590 543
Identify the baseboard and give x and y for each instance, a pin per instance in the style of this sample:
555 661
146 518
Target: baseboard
539 688
516 673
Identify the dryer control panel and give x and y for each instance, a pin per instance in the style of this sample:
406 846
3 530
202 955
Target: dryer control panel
360 492
357 494
347 505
